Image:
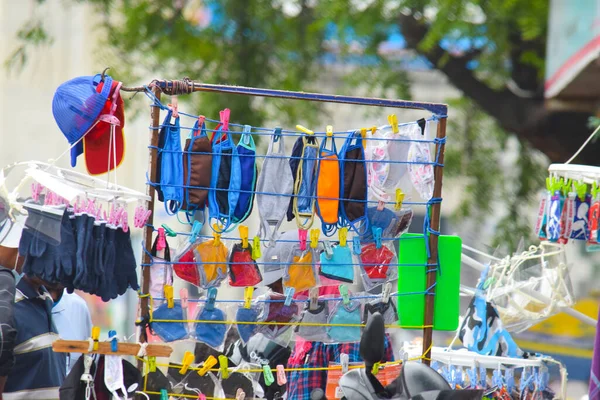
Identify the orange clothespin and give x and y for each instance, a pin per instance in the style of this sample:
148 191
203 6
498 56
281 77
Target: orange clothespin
188 358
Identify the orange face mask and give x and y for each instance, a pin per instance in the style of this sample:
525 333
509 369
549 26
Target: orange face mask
328 186
300 273
213 257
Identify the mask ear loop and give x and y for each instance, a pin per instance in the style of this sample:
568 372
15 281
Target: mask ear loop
309 218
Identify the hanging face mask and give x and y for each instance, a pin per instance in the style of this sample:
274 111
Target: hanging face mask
171 175
328 186
317 331
420 167
337 263
353 184
275 310
392 223
169 331
276 179
345 314
226 176
213 257
246 331
161 273
187 267
197 168
306 184
387 310
246 150
243 271
213 334
300 271
376 264
294 163
113 376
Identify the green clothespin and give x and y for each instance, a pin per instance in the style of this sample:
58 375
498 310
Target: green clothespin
595 189
581 189
344 292
152 364
170 232
566 187
256 254
268 375
375 369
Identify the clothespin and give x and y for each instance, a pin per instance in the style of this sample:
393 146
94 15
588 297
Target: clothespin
304 130
345 362
168 289
224 366
268 374
174 105
375 369
314 238
289 296
399 199
95 337
210 362
393 120
363 133
201 119
244 235
201 396
281 378
377 236
183 295
240 394
343 236
188 359
329 131
164 395
328 249
211 296
313 302
196 228
152 364
170 232
373 130
580 189
567 184
216 235
248 292
162 243
594 190
387 291
344 292
225 115
497 380
256 254
302 233
112 336
356 245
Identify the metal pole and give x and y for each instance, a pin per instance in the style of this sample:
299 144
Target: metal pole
438 173
152 159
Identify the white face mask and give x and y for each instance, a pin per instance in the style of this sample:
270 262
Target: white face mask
421 175
113 376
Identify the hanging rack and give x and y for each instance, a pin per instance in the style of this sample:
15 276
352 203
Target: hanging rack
123 349
586 173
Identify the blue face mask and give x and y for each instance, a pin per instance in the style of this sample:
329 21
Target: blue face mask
345 314
246 331
353 185
171 169
306 184
339 265
169 331
246 150
226 177
211 333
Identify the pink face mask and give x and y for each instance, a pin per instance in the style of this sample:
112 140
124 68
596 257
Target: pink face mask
420 167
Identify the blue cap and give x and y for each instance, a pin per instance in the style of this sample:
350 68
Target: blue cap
77 105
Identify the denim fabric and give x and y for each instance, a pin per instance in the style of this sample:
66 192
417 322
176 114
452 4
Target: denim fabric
210 333
169 331
246 331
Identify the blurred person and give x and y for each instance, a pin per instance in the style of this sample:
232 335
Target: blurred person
71 316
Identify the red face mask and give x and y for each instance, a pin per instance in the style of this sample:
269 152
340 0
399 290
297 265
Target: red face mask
376 261
186 269
243 270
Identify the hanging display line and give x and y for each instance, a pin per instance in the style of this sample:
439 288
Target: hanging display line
432 217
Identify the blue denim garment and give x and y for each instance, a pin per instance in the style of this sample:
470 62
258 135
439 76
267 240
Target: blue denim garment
169 331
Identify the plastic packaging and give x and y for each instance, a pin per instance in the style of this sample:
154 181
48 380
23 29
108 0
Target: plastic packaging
420 167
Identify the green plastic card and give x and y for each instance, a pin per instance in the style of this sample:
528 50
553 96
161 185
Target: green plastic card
412 279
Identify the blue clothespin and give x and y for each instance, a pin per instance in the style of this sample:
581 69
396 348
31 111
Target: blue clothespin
482 377
377 236
472 374
497 380
509 380
524 377
328 249
543 379
356 245
196 228
112 336
211 296
289 295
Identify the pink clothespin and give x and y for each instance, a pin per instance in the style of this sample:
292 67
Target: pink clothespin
380 205
174 106
183 295
162 243
302 234
201 120
91 207
281 378
36 190
98 214
225 114
124 218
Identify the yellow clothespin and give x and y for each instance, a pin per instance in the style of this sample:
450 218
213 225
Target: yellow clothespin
343 234
152 364
373 130
168 289
248 292
329 131
210 362
188 358
314 238
95 336
244 235
376 367
305 130
216 235
399 199
393 120
256 248
363 133
224 366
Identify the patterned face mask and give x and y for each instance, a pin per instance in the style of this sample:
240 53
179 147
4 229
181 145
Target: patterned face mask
339 266
276 178
318 317
345 314
161 273
419 167
243 271
328 186
353 188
